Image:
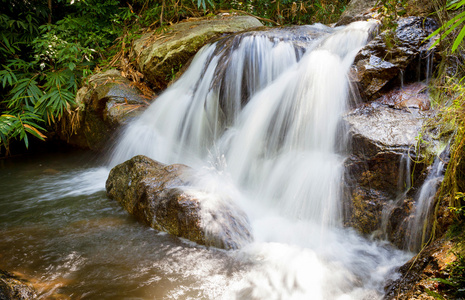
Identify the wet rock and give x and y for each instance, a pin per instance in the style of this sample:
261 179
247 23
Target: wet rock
378 172
14 288
379 129
363 207
159 56
411 96
415 276
381 62
162 197
108 101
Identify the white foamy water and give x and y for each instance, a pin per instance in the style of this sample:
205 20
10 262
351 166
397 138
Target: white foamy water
266 121
419 226
261 123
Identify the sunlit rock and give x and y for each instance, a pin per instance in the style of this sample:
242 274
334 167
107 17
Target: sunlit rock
358 10
108 101
162 196
159 55
416 276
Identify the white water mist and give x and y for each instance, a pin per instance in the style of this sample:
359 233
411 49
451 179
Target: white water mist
265 119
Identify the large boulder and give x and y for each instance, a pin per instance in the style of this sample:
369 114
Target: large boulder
108 101
379 190
389 60
15 288
160 55
163 197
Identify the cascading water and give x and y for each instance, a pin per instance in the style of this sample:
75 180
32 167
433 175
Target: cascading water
274 118
403 186
264 115
420 225
258 115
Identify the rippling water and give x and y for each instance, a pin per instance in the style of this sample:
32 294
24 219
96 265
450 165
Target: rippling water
60 231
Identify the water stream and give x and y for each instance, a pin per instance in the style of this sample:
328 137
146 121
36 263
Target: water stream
261 123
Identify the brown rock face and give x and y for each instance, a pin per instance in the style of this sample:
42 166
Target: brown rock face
411 96
159 196
107 102
159 56
377 174
381 61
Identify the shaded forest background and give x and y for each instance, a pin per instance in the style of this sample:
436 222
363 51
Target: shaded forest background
49 47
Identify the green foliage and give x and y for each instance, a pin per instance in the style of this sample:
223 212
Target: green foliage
12 126
450 26
45 53
204 5
43 64
391 10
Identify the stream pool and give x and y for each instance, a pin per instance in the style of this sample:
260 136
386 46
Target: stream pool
59 231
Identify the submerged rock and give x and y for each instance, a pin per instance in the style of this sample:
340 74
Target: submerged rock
108 101
163 197
411 96
160 55
14 288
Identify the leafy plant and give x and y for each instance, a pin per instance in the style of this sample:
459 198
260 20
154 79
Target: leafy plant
449 27
12 126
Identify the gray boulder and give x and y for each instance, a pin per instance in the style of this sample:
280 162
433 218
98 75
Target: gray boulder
163 197
358 10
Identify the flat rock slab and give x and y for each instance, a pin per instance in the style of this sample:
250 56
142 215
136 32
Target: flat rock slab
377 128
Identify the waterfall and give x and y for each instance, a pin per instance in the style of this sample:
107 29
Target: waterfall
270 109
420 225
260 114
404 184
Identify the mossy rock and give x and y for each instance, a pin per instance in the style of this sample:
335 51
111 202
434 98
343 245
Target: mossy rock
107 102
159 55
